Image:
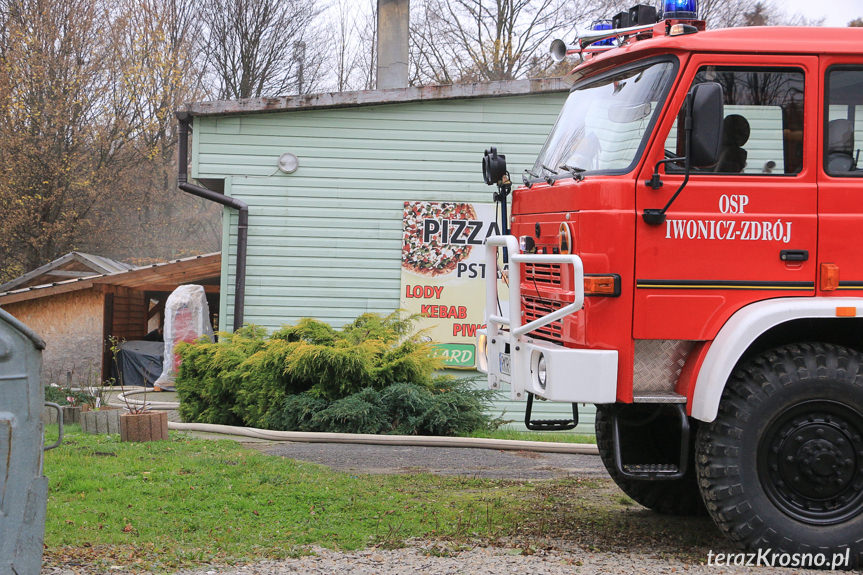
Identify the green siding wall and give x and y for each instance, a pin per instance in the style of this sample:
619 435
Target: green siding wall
325 241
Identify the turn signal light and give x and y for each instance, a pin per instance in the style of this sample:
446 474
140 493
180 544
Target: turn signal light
608 285
829 277
682 29
564 239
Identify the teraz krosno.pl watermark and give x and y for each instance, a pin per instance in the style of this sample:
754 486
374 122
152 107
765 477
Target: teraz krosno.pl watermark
770 558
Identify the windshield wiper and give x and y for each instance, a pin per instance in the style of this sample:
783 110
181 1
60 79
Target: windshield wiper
577 173
548 178
524 179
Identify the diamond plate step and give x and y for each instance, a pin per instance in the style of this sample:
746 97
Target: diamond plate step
659 397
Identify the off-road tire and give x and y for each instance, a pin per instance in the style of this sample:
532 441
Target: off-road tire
781 466
668 497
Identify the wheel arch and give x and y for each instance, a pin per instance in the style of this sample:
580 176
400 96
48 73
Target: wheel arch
770 323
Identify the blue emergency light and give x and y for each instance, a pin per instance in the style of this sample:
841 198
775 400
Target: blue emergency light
680 10
601 25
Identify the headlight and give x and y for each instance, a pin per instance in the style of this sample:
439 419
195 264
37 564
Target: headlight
541 371
526 244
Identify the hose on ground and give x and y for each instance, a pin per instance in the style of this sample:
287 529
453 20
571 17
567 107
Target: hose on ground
409 440
124 399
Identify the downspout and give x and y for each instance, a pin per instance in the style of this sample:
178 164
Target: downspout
241 207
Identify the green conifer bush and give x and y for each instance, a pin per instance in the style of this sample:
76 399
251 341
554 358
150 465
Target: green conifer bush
373 376
211 373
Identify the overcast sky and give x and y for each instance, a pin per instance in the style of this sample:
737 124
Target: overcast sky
835 12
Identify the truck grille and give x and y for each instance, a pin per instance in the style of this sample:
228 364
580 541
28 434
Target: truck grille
534 308
543 274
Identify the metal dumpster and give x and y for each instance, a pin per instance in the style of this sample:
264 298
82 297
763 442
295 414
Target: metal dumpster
23 488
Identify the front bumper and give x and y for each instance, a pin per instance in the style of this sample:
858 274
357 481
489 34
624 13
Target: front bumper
507 354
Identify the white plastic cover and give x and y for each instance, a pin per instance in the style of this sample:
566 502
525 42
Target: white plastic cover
187 318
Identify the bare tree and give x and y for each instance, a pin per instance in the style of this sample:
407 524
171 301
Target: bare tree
758 16
261 47
735 13
156 69
57 130
723 13
353 44
87 140
479 40
344 21
368 47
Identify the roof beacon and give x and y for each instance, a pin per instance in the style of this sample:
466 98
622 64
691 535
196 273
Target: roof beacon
680 10
637 22
601 25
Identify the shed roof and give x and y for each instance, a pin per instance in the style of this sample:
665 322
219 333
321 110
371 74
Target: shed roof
373 97
71 265
156 277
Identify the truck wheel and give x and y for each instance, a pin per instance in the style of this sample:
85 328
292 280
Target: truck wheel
781 466
670 497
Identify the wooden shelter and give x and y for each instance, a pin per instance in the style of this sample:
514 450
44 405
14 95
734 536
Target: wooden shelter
77 317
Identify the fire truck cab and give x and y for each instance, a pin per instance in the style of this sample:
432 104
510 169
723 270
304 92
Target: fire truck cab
685 253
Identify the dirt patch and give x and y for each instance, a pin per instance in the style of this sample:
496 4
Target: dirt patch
592 513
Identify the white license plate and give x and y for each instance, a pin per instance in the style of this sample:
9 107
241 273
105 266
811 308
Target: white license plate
504 364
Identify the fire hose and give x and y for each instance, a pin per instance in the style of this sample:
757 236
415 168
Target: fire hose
124 399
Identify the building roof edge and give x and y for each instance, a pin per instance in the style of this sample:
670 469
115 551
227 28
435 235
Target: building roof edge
373 97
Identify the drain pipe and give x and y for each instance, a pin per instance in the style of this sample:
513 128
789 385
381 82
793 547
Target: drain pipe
242 212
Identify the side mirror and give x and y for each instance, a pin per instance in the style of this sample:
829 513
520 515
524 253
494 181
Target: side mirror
493 166
703 125
707 114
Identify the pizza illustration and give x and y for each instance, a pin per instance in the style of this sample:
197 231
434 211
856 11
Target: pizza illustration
437 256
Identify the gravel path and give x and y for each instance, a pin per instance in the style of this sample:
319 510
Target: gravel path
490 561
484 463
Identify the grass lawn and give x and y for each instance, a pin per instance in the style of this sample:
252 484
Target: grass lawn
185 502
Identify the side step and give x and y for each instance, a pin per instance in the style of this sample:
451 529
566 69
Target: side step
654 471
549 424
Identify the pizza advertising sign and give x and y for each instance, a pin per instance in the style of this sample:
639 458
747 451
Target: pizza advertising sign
443 273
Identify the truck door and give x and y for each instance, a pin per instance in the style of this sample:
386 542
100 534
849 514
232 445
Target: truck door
840 186
745 228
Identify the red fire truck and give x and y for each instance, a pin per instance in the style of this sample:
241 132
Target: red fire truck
684 253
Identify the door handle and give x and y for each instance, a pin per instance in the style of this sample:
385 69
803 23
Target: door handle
794 255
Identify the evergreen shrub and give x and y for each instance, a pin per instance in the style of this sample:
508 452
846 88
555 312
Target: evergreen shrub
372 376
210 375
455 408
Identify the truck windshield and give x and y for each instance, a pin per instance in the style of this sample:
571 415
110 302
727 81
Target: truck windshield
603 123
